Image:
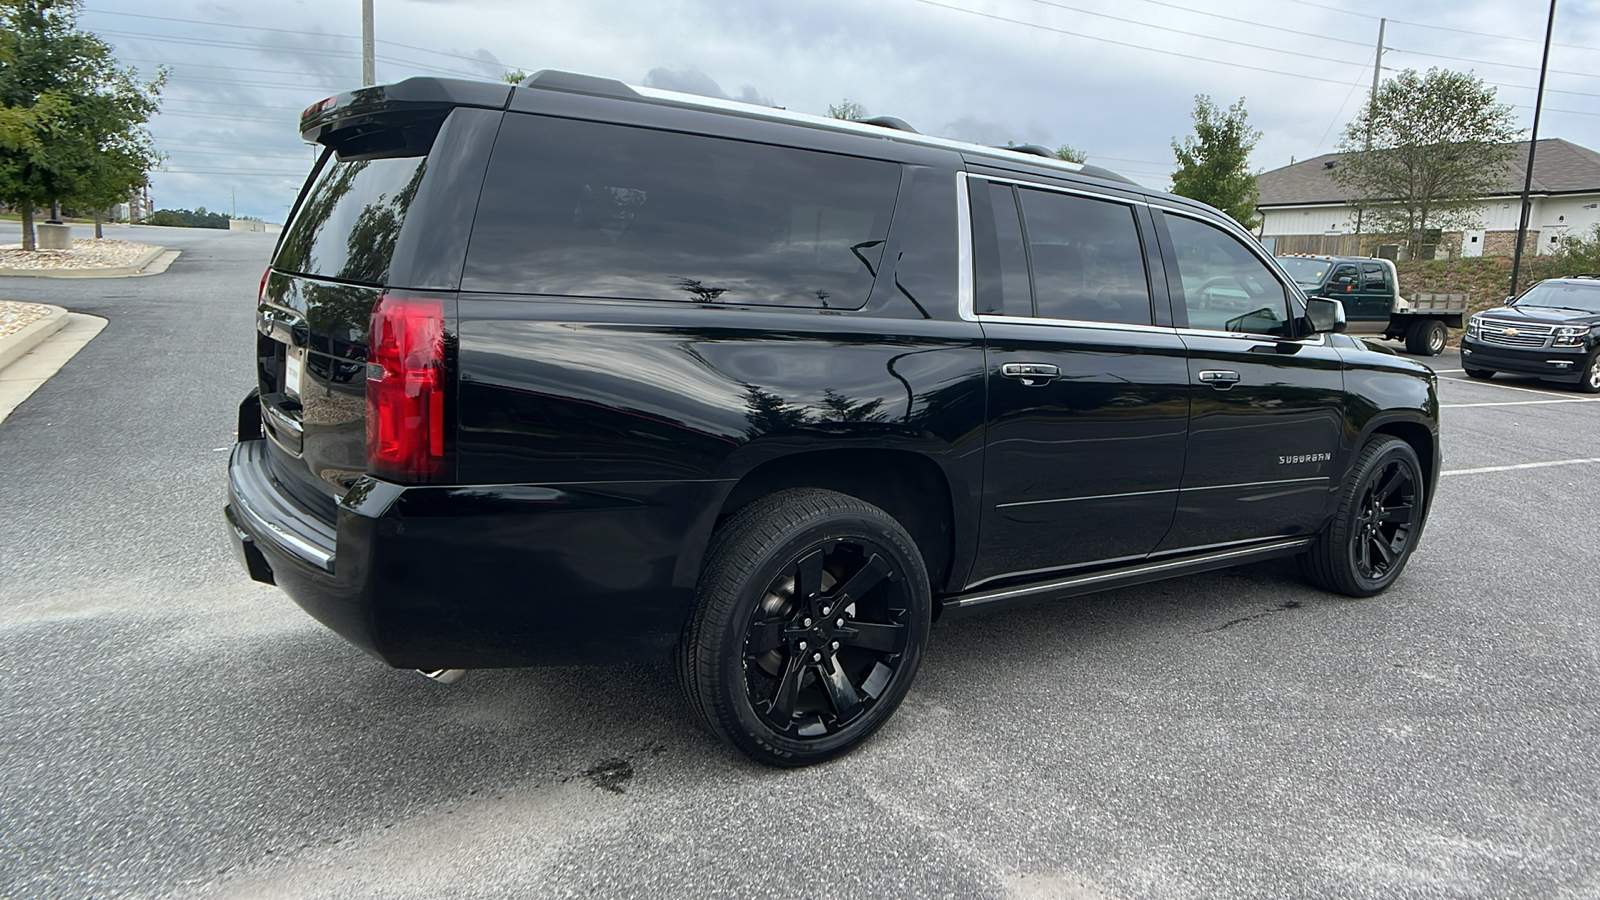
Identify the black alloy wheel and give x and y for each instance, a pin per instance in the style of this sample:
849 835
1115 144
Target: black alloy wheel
1589 382
1365 547
813 611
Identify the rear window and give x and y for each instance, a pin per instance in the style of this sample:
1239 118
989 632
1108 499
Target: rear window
590 210
347 225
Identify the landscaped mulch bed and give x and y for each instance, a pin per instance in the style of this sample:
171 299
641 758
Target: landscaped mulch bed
15 316
85 254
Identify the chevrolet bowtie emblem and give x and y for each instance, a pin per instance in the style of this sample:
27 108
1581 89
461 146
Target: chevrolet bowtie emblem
1510 331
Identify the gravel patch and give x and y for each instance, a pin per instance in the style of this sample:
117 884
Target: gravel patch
16 316
85 254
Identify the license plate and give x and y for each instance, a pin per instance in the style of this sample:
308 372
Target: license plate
291 372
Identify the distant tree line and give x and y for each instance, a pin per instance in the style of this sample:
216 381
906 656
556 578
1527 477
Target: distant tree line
199 217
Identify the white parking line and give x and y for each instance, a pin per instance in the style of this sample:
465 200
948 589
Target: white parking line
1509 387
1462 371
1519 402
1534 465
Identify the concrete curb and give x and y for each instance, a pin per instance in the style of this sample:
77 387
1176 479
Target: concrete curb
134 268
15 346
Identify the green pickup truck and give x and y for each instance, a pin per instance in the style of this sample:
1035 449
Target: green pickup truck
1369 290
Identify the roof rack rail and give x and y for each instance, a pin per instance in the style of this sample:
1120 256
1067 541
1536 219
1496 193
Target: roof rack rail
889 122
574 83
1032 149
1585 275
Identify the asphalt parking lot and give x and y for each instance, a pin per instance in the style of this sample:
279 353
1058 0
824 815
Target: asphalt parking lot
168 728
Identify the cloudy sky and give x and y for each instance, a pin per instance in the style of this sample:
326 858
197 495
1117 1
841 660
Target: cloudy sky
1115 78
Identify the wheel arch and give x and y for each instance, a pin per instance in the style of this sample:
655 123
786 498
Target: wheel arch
908 485
1424 441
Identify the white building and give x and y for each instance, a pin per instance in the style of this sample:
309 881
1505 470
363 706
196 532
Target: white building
1305 210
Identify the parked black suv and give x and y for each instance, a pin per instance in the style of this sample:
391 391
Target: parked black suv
1552 331
576 372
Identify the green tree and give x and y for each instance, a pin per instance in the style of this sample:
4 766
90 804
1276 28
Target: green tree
1214 162
516 76
1072 154
71 120
1424 152
847 109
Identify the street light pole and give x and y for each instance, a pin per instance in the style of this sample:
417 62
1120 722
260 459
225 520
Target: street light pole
369 64
1533 146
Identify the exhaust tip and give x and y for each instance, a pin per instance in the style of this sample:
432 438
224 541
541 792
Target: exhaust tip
444 676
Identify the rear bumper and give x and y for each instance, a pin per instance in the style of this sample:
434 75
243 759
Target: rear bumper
1543 362
475 576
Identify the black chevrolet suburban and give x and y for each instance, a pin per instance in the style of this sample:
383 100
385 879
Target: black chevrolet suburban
578 372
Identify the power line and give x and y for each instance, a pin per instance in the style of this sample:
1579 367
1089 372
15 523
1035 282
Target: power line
299 31
1211 38
1200 12
1105 40
1393 21
1490 62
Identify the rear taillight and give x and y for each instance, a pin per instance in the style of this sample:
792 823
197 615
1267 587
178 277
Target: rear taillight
405 389
261 289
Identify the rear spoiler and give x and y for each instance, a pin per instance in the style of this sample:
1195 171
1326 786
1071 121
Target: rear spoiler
401 119
397 119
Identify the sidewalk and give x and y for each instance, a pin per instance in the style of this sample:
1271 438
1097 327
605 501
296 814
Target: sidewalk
30 356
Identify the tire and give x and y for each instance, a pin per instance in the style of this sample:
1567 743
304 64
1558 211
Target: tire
1426 337
1589 382
770 661
1366 546
1480 374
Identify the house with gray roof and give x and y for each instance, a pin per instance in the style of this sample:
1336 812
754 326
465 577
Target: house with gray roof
1305 210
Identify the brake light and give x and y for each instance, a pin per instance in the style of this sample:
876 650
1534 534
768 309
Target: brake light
405 389
261 290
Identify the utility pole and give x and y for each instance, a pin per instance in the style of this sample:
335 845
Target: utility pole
233 203
1372 104
369 65
1533 144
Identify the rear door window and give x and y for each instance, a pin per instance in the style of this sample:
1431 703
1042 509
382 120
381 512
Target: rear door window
1000 264
1375 277
1088 264
592 210
350 219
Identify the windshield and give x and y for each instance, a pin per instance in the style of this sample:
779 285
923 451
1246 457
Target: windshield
1303 270
1563 295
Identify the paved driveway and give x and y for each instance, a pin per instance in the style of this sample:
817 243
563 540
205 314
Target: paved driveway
169 728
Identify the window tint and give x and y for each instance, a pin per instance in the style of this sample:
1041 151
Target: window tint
1344 278
590 210
1225 286
1376 278
347 225
1087 260
1000 264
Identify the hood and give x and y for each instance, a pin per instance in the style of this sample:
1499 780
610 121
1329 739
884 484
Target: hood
1542 315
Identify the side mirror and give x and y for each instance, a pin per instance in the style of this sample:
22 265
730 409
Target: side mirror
1325 314
1510 300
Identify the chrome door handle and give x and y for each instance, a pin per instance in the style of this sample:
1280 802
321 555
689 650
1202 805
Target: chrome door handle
1031 374
1221 379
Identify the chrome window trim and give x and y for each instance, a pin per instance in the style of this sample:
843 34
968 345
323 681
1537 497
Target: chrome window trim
1318 339
966 287
966 277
